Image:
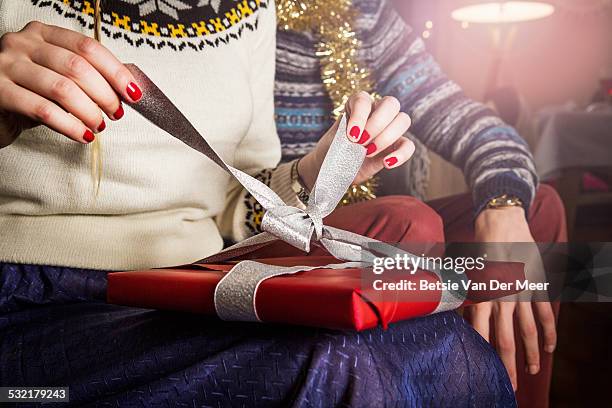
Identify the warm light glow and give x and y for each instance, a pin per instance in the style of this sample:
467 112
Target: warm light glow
429 24
503 12
426 34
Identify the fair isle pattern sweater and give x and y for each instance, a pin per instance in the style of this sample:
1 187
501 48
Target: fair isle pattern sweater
494 158
160 202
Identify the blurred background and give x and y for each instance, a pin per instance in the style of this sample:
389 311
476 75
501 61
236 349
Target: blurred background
545 63
547 70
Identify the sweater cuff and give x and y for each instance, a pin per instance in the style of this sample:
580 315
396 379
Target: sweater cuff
281 184
498 185
249 215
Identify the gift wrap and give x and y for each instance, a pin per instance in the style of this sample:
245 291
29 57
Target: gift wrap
330 298
327 291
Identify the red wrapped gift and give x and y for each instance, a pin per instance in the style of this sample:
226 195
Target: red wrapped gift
331 298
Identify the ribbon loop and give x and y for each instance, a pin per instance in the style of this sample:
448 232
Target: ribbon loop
290 224
338 171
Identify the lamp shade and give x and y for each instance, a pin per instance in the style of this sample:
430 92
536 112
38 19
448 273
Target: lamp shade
503 12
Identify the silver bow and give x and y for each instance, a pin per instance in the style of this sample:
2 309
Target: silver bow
235 294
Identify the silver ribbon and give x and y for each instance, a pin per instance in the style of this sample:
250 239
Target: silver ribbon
236 293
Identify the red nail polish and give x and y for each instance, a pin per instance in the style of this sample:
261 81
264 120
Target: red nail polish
371 148
391 161
102 126
364 137
119 113
88 136
355 132
134 91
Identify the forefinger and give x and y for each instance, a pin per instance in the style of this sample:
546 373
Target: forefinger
479 317
358 107
115 73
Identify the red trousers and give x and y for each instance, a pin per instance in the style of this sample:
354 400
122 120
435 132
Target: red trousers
406 219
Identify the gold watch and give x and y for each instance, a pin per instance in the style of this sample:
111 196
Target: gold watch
503 201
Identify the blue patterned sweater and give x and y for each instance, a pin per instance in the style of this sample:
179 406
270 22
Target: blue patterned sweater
494 159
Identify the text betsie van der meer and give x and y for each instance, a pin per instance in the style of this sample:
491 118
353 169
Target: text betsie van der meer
459 265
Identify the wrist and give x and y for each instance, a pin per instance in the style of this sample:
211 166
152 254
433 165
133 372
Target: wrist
513 212
307 170
501 218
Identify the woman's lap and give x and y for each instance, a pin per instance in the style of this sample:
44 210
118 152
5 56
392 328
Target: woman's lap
55 330
112 355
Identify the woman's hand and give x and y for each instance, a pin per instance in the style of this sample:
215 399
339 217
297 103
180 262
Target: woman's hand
378 126
62 79
510 225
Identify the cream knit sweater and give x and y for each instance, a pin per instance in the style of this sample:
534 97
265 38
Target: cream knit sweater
160 203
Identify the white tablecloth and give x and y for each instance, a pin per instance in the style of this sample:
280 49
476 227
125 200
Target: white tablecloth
573 139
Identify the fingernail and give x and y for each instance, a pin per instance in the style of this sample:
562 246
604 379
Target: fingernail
550 348
365 136
88 136
134 91
371 148
355 132
391 161
533 369
119 113
102 126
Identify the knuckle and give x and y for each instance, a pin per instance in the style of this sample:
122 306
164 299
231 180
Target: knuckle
551 334
404 117
5 94
10 66
76 65
505 345
362 97
43 111
377 123
481 307
532 356
530 330
33 26
547 319
61 88
109 105
392 102
8 40
122 74
86 45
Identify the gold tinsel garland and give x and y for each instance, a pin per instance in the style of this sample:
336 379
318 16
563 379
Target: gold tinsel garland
331 21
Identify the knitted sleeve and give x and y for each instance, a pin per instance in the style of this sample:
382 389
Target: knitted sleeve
259 151
494 159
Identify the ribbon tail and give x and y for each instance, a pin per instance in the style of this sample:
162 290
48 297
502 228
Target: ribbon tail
157 108
347 245
247 246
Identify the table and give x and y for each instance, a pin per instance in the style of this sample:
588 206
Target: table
572 143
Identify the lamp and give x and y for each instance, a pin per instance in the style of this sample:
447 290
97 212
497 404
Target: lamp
503 12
